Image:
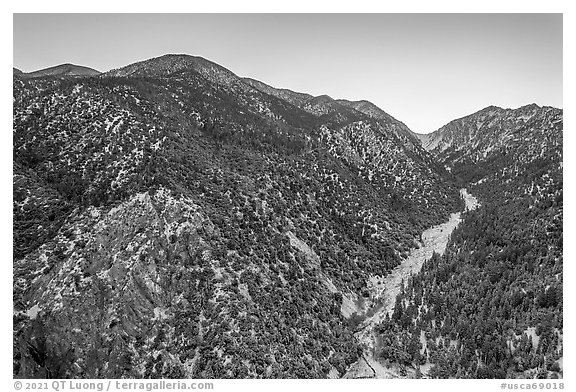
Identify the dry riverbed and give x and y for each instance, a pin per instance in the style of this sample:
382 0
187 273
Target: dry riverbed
386 289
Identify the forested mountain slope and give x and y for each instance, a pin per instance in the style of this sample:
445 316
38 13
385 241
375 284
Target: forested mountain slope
492 305
173 220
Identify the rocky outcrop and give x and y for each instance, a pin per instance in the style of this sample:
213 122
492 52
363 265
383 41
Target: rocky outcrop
113 277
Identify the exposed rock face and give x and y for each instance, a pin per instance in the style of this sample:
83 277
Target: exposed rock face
517 151
490 130
309 253
113 277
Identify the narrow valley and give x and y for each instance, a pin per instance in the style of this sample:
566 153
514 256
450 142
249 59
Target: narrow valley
434 239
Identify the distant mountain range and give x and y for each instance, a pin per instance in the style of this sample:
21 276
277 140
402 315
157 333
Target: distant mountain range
59 70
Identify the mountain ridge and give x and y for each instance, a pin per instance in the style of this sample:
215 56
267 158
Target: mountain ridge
455 135
66 69
205 225
202 191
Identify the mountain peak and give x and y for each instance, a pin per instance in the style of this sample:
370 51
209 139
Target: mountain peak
171 63
488 128
491 107
530 106
324 98
66 69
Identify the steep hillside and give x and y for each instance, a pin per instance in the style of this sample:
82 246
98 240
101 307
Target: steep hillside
373 111
492 305
173 220
295 98
492 132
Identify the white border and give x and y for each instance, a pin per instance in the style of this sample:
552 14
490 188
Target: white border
357 6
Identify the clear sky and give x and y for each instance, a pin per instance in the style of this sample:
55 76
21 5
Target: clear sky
423 69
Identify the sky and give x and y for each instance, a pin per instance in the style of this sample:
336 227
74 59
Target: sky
423 69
